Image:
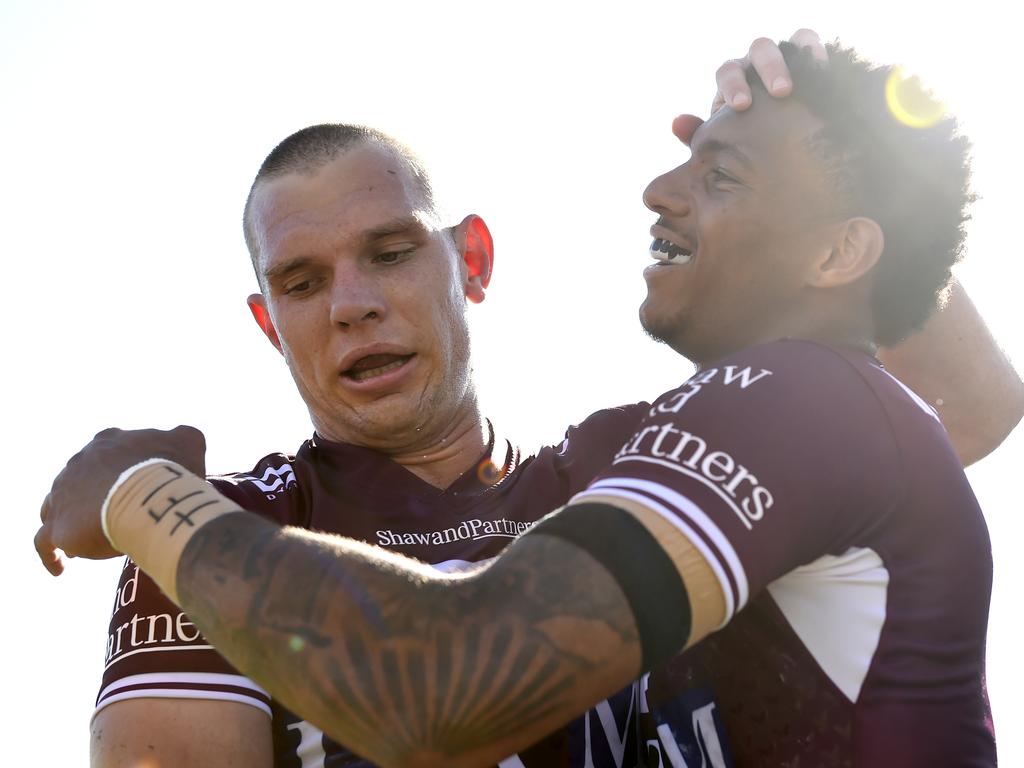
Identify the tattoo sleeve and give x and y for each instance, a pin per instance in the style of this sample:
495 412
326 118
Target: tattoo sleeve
402 664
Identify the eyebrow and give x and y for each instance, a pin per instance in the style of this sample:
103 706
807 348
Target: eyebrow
291 265
397 226
715 145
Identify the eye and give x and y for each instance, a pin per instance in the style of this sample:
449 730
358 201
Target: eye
393 257
300 287
720 177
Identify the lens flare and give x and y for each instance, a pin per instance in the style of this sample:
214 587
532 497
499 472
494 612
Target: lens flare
296 643
910 102
490 473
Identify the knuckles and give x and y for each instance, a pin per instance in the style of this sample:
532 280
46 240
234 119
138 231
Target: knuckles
189 434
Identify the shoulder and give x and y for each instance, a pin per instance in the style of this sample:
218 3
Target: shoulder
785 410
589 445
789 379
269 488
609 425
273 472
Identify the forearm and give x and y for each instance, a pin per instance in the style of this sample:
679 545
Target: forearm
956 365
400 663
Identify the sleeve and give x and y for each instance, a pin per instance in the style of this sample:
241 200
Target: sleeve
775 457
153 649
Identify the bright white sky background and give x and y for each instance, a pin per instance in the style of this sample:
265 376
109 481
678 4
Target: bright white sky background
129 135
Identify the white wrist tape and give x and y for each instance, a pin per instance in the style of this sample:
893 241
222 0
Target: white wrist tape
104 510
153 510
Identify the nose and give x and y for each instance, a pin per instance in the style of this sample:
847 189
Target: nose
356 298
669 194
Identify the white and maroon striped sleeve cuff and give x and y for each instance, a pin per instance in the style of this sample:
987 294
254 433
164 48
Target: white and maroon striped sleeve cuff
185 685
692 522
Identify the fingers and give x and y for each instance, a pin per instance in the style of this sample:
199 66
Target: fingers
49 555
808 38
766 59
733 89
685 126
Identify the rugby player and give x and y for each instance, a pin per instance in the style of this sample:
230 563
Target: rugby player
401 457
166 694
379 648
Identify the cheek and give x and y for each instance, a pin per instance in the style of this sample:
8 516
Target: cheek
452 327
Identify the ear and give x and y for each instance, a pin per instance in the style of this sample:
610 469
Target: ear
475 245
258 307
856 248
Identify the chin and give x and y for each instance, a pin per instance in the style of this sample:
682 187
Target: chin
658 327
670 332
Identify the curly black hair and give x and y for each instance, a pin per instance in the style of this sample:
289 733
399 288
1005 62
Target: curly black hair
913 181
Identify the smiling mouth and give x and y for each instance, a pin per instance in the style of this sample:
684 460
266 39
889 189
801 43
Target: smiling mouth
670 253
373 366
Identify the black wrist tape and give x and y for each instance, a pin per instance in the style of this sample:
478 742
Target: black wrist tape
643 570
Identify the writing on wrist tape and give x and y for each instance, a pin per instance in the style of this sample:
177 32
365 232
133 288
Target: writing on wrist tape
153 510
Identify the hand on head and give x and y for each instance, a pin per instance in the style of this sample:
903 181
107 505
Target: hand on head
734 90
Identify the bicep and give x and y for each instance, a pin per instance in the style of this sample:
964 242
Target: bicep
194 732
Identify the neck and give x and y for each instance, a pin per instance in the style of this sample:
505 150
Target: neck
437 450
436 438
832 328
443 460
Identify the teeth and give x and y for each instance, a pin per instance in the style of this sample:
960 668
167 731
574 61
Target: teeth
667 252
369 373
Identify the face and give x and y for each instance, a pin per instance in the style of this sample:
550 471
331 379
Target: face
739 226
367 299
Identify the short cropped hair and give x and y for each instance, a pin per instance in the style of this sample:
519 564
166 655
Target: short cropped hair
308 150
912 181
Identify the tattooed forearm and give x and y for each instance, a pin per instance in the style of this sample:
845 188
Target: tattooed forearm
402 664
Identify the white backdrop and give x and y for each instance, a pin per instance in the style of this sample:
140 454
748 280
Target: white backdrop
130 133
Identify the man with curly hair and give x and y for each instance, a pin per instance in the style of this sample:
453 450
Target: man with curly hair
793 515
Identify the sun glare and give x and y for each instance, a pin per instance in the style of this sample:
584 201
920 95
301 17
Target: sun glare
910 102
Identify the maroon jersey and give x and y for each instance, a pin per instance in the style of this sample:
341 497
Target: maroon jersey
854 560
153 649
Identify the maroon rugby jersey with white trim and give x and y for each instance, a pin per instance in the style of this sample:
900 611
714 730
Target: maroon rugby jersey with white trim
854 560
154 651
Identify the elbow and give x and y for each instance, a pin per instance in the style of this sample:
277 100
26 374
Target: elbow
975 439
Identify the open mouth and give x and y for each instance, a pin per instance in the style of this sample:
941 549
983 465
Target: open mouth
669 253
372 366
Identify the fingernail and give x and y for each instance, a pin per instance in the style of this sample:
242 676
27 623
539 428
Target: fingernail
740 100
779 84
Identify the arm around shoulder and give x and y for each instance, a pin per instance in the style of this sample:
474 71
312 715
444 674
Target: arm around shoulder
402 664
194 732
